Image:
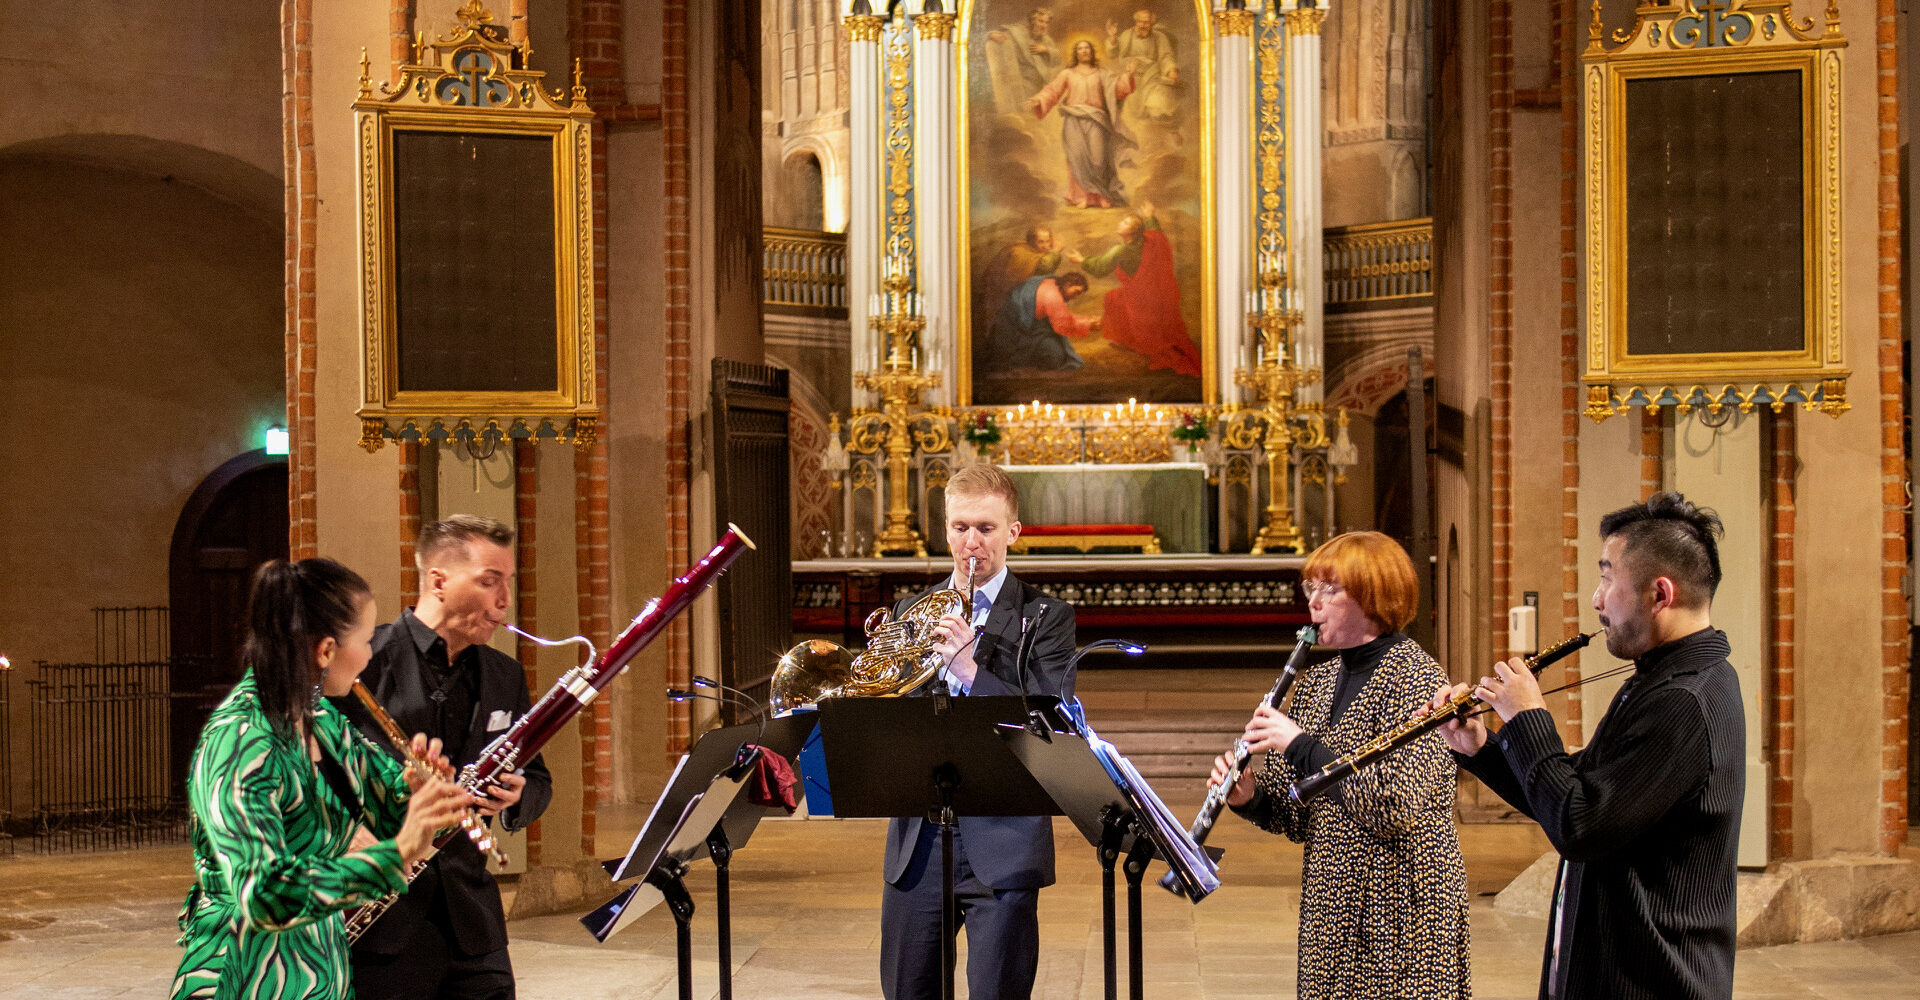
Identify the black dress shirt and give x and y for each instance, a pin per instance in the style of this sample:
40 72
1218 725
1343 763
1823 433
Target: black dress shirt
467 704
1647 822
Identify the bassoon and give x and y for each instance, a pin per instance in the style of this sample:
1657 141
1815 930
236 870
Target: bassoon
575 690
1459 707
1217 795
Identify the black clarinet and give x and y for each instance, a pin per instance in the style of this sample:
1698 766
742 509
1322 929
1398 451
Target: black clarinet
1217 795
1459 707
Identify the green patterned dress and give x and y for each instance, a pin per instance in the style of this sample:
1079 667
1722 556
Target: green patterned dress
272 870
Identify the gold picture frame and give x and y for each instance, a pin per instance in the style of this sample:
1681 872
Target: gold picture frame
1188 217
1673 209
476 245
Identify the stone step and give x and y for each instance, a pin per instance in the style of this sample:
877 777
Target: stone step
1131 743
1154 721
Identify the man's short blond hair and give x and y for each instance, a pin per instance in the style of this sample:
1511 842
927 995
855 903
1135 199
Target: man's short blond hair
985 480
441 537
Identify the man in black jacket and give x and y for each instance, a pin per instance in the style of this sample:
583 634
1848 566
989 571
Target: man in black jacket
433 671
999 863
1647 817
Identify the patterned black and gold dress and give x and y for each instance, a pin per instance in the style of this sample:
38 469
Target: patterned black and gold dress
271 865
1383 893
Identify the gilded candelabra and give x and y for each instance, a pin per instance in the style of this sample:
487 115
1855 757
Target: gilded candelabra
1274 374
899 425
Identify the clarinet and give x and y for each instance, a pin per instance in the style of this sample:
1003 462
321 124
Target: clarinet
1217 795
575 690
1465 704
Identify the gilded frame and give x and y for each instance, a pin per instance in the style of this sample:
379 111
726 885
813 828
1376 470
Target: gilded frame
963 239
469 86
1756 36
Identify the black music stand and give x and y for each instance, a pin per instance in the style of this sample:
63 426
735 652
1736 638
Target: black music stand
944 759
1119 814
701 813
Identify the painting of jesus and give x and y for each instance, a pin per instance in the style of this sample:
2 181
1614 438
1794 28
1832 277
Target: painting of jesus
1085 156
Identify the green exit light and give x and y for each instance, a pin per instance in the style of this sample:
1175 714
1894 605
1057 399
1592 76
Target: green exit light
275 441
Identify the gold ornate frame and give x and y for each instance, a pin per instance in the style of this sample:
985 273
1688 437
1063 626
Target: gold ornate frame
1682 40
1210 391
470 86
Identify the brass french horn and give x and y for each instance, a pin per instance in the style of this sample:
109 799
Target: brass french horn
899 657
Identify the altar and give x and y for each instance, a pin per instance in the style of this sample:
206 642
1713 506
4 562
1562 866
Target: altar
1169 496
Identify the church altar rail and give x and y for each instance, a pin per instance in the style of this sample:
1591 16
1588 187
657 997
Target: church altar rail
1176 604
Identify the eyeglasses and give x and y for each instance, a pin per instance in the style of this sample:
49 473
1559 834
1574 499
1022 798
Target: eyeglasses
1322 589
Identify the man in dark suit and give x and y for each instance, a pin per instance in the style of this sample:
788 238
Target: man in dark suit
433 671
999 863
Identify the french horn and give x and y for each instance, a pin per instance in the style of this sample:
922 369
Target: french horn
899 657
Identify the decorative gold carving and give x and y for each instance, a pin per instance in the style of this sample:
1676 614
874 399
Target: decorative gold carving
1305 20
465 83
899 149
934 26
1683 39
1227 23
864 27
1272 142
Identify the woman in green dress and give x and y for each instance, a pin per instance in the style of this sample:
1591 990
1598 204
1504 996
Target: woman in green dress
279 782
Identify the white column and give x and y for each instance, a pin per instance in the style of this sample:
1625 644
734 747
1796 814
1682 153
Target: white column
936 195
866 233
1235 201
1304 212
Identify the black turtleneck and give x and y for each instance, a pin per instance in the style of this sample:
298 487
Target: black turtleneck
1357 664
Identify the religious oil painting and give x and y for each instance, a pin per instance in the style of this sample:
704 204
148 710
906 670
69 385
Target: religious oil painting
1086 237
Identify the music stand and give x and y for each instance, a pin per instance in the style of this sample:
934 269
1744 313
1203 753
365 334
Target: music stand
1114 808
701 813
944 760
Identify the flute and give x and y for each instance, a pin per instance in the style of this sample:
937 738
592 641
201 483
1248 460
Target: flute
1217 795
1461 706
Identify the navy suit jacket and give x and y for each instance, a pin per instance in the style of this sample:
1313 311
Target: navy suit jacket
1006 852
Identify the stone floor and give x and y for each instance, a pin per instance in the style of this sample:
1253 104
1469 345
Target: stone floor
805 925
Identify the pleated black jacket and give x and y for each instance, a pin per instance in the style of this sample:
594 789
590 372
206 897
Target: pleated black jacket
1647 822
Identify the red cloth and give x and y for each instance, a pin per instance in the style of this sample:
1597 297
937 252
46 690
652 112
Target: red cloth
772 782
1086 529
1143 314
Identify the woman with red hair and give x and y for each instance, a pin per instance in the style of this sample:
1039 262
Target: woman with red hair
1383 892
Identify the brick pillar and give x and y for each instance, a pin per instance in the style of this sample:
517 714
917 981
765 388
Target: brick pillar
1652 450
1500 314
1782 843
1572 398
302 215
597 44
526 496
409 521
678 340
399 35
1893 528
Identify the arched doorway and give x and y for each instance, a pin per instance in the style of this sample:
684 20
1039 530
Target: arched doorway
234 521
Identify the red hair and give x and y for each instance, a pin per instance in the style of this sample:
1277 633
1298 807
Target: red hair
1374 570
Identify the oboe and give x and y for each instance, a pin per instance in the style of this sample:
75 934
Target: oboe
1217 795
1461 706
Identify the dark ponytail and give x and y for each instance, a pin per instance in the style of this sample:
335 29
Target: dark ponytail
292 608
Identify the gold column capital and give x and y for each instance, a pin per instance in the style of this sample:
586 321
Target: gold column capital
1227 23
935 25
864 27
1305 20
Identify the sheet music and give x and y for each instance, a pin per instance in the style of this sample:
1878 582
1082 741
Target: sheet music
1191 864
621 874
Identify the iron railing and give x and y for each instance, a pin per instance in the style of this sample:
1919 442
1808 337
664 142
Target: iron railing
804 271
1379 262
99 757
